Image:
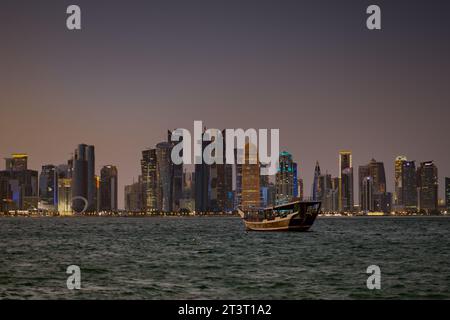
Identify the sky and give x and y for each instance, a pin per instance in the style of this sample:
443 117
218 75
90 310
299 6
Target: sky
309 68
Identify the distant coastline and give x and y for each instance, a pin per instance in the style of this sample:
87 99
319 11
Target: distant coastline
206 215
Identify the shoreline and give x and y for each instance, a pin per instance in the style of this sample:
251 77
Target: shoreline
218 216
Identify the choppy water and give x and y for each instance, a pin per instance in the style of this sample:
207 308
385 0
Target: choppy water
214 258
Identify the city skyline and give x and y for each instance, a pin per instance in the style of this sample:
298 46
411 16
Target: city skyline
172 190
318 75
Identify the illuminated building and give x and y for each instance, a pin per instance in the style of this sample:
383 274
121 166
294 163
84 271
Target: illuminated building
376 171
164 176
363 174
17 162
134 197
108 189
202 181
20 185
372 188
149 180
284 178
325 194
300 188
427 185
187 202
345 181
296 193
83 179
250 178
398 182
177 178
408 190
48 188
224 183
65 196
366 203
316 193
447 193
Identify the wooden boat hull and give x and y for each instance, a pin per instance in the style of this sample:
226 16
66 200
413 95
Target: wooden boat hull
297 221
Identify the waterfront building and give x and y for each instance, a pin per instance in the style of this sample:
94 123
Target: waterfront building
164 177
300 189
382 202
187 202
372 188
427 185
285 178
316 193
366 203
376 171
177 177
134 196
398 180
251 178
363 174
48 188
408 186
17 162
149 180
65 196
295 187
109 189
447 193
346 190
325 194
20 185
202 179
83 179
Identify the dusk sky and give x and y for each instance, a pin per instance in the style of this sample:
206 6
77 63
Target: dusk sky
310 68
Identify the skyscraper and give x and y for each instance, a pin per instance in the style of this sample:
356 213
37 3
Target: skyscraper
408 190
447 193
17 162
149 180
238 176
177 177
326 192
225 195
285 178
20 184
366 194
376 171
83 180
5 193
108 189
398 169
133 196
296 193
250 178
345 181
187 202
202 180
300 189
164 176
363 173
316 193
372 188
48 188
427 184
65 196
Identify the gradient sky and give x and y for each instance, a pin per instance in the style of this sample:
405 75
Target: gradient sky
309 68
